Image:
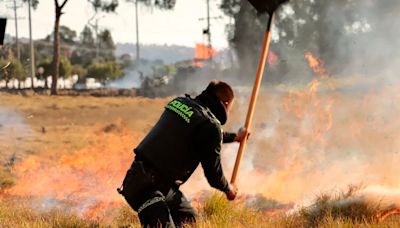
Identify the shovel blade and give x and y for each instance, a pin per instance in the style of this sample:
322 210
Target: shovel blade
268 6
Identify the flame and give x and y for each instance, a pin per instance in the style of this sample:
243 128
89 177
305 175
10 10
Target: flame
316 65
272 58
203 53
313 116
87 178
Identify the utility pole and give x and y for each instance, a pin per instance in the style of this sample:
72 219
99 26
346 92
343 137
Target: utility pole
208 25
31 45
207 31
137 33
96 28
16 31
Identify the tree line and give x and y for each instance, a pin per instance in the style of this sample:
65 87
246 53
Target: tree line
83 55
69 55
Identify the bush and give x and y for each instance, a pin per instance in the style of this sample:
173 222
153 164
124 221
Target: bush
105 72
65 67
14 70
79 70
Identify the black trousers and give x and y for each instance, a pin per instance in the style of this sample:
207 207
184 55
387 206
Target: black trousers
160 204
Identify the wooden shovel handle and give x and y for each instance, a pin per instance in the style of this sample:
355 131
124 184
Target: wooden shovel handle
252 105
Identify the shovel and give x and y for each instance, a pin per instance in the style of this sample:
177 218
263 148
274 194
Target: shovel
262 6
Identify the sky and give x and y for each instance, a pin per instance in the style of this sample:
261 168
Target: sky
180 26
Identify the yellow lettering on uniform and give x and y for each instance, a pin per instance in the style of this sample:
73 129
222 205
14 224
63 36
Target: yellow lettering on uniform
189 114
175 103
183 108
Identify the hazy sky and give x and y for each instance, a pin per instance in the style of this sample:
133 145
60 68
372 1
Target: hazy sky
179 26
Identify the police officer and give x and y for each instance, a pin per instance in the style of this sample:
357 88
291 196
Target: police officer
187 134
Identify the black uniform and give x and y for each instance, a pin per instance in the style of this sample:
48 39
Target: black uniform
187 134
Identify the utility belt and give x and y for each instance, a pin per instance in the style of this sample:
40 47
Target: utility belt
139 179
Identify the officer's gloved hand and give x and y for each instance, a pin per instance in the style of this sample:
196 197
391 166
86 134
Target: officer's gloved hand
242 134
232 192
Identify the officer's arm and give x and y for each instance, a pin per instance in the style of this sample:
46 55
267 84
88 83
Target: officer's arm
228 137
209 145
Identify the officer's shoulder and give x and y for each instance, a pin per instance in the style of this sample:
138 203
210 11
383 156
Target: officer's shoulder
203 113
211 122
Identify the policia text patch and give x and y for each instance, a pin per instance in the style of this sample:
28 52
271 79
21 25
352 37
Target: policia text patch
181 109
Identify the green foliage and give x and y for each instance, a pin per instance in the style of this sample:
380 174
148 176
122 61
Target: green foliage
105 72
14 70
86 37
219 212
79 70
3 73
65 67
106 46
47 66
106 40
85 53
67 35
34 3
161 4
105 6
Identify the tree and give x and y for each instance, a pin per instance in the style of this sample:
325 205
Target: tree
86 37
85 53
34 3
14 71
161 4
56 45
65 68
105 72
106 45
315 26
98 5
79 70
4 75
67 35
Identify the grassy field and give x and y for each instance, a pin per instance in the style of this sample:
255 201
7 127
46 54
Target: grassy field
62 157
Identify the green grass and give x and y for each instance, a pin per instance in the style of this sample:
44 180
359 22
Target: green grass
327 211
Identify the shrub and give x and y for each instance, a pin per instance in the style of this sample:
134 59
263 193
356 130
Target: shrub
105 72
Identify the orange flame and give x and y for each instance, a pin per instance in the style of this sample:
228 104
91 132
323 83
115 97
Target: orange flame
203 53
316 65
86 178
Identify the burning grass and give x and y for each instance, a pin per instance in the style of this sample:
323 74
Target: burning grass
351 205
307 140
216 211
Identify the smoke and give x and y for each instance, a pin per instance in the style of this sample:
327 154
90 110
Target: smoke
131 79
13 129
317 132
12 124
311 133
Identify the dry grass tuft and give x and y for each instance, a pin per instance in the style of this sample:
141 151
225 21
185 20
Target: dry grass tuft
346 206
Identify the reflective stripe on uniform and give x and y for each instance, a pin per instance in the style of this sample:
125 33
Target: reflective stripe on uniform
150 202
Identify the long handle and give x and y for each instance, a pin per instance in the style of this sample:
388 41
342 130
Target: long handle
252 105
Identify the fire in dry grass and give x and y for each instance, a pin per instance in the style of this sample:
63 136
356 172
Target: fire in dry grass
316 64
87 178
